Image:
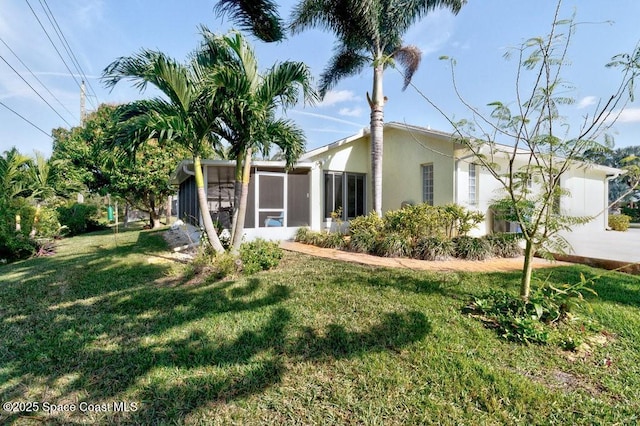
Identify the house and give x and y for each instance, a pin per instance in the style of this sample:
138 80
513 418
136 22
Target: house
419 165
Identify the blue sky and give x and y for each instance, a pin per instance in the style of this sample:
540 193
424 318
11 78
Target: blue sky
99 31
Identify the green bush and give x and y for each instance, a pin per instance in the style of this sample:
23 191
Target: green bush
393 244
302 235
619 222
48 225
14 246
260 255
634 213
505 244
471 248
434 248
364 231
79 218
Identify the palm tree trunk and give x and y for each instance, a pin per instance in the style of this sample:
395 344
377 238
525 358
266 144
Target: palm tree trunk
377 126
242 206
36 219
237 193
204 207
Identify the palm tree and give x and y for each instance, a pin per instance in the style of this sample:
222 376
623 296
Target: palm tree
369 32
187 115
13 168
45 181
248 121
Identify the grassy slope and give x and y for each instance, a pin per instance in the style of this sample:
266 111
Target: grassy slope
314 341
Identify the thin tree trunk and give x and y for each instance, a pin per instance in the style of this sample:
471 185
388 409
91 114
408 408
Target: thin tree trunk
126 214
204 207
525 284
377 126
242 207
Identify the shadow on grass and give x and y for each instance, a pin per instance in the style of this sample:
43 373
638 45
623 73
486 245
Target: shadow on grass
611 286
112 332
447 284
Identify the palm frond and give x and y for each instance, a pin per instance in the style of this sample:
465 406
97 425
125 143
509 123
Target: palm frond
344 63
260 17
409 58
284 81
400 15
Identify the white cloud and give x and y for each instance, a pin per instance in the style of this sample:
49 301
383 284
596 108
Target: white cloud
327 117
350 112
333 97
587 101
628 115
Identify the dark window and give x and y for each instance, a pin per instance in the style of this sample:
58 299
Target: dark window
344 189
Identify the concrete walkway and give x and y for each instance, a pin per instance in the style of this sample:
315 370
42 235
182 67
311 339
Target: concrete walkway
605 249
491 265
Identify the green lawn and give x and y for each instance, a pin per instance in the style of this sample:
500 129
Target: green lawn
108 321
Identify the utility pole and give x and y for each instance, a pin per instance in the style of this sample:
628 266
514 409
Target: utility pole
83 95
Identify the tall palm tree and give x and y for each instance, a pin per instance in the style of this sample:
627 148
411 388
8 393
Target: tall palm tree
187 113
369 32
248 117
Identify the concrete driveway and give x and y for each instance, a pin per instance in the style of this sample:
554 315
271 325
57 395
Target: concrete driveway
611 245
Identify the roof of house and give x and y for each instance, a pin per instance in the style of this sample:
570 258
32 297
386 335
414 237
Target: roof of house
438 134
185 168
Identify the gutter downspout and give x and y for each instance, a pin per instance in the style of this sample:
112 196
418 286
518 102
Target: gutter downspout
608 179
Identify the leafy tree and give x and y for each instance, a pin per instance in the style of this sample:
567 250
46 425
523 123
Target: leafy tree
369 33
185 114
141 178
248 116
538 147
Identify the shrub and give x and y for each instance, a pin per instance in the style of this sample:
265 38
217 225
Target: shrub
393 244
333 240
364 231
79 218
14 246
302 235
260 255
634 213
527 322
471 248
505 244
619 222
48 225
434 248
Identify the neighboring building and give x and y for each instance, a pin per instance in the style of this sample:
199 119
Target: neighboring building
419 165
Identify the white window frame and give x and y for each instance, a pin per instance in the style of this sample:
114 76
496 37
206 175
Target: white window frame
427 179
473 184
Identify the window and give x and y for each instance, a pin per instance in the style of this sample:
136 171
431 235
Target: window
473 184
427 184
345 191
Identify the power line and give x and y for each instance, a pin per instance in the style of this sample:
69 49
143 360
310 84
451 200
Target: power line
65 43
25 119
36 77
34 90
53 44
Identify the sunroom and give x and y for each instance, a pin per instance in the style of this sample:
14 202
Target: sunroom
279 200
